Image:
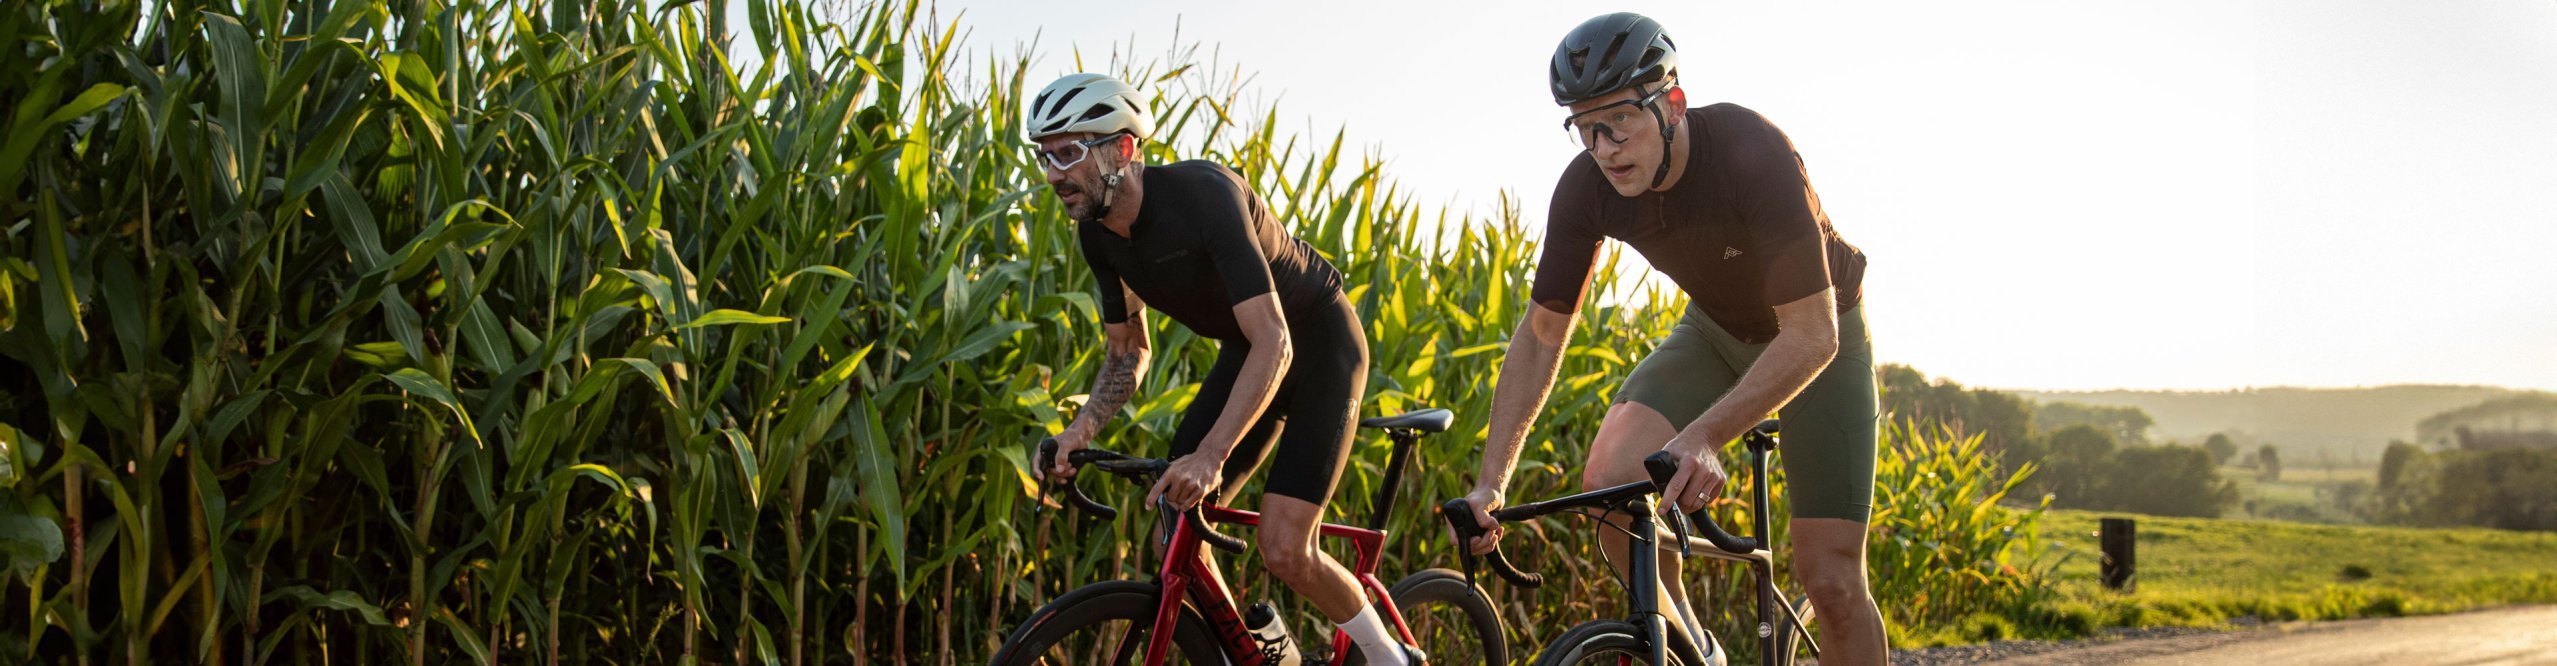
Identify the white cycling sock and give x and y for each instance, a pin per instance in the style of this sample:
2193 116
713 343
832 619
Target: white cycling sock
1368 631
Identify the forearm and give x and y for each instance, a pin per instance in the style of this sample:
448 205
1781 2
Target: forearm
1789 364
1112 387
1527 374
1262 368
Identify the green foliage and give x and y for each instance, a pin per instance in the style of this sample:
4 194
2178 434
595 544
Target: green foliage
2165 480
404 332
2513 489
2222 448
2529 412
2201 572
1945 546
2004 420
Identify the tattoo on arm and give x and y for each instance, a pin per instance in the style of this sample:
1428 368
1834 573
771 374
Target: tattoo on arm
1114 385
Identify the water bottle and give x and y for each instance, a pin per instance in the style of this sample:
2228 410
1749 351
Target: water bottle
1271 633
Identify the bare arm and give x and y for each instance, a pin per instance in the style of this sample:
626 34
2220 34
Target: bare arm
1527 372
1194 478
1804 345
1265 327
1125 352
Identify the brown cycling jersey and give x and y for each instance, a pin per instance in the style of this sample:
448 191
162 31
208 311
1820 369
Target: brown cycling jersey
1740 232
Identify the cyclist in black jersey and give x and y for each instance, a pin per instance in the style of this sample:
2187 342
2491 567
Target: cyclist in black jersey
1718 201
1193 241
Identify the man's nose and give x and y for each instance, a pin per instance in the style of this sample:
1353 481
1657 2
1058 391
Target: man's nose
1605 149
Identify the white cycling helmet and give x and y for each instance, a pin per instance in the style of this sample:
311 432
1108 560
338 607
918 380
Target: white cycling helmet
1088 103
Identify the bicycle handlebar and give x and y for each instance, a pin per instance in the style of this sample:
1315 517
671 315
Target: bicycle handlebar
1662 467
1460 519
1131 468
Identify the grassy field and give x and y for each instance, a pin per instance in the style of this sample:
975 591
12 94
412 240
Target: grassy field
2198 572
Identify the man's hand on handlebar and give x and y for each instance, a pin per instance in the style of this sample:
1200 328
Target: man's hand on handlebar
1484 501
1700 476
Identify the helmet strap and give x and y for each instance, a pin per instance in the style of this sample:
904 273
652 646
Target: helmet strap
1668 140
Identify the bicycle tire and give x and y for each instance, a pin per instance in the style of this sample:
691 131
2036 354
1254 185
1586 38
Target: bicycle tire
1092 608
1423 599
1788 641
1610 640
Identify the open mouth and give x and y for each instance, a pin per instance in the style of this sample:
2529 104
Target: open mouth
1620 172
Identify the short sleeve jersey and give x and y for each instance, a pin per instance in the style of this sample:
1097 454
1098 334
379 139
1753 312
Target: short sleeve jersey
1740 232
1202 243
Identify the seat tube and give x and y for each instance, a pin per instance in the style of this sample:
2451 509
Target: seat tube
1384 506
1644 575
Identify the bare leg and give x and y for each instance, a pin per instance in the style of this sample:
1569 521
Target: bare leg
1287 549
1828 554
1630 432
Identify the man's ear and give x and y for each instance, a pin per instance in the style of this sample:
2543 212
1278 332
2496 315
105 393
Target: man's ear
1677 99
1129 145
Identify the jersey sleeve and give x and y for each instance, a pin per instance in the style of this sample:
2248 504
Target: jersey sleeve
1223 218
1776 204
1105 277
1570 255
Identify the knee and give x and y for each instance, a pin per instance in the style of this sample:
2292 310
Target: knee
1605 469
1289 561
1835 583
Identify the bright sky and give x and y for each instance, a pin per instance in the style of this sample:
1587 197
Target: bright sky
2083 195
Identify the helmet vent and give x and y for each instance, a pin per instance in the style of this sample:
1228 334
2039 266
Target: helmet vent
1613 45
1068 97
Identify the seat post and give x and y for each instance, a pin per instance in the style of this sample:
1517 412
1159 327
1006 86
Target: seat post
1384 506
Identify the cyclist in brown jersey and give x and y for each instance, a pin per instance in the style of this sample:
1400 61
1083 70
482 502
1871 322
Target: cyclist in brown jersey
1718 201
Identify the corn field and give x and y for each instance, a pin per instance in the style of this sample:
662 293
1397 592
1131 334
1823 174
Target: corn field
403 331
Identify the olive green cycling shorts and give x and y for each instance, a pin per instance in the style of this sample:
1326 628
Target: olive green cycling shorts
1830 429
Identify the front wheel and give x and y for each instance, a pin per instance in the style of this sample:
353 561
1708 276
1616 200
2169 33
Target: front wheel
1451 620
1608 642
1091 624
1789 643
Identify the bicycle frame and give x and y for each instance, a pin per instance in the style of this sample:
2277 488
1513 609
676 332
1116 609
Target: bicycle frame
1637 501
1184 576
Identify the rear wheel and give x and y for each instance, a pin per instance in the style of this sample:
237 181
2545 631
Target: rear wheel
1451 620
1090 624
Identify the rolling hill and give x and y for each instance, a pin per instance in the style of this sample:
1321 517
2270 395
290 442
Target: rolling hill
2349 424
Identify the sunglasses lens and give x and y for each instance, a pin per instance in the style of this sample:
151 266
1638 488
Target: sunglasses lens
1065 157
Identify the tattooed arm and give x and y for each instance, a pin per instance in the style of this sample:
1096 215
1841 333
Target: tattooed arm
1123 361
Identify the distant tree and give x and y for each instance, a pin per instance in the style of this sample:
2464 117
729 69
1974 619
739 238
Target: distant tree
2513 489
2003 421
2221 447
2129 425
2398 462
2170 480
2080 458
2268 463
2349 497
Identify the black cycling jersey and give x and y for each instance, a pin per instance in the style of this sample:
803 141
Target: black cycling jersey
1202 244
1741 232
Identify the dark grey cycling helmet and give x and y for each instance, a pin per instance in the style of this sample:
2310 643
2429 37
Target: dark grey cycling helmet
1608 53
